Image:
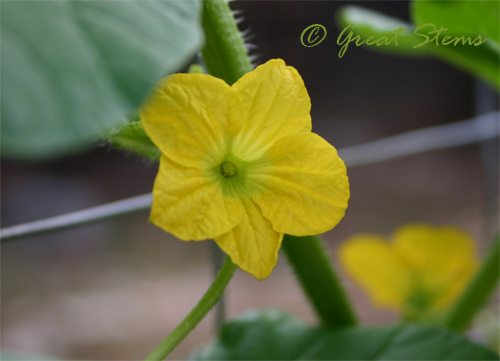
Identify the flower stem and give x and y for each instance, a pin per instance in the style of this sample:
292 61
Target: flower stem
477 292
224 52
318 279
197 313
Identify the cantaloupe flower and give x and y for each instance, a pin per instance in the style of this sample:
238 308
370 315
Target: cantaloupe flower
420 272
240 164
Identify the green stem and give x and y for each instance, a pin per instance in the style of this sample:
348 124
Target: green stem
318 279
197 313
477 291
224 53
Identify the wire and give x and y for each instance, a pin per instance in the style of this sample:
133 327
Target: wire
470 131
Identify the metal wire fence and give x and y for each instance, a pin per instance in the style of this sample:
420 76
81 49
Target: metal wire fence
475 130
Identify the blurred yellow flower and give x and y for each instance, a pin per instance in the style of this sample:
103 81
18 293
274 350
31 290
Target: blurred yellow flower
240 164
422 271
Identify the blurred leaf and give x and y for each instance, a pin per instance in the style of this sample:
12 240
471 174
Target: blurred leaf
72 69
465 18
273 335
482 61
132 136
479 17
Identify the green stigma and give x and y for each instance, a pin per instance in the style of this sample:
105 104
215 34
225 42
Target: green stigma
230 175
227 169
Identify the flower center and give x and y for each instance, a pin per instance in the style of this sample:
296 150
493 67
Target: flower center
233 176
227 169
421 298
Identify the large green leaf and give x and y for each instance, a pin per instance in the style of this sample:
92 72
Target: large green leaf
71 70
482 61
273 335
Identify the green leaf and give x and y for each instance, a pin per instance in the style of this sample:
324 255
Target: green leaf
465 18
273 335
482 61
71 70
132 136
478 17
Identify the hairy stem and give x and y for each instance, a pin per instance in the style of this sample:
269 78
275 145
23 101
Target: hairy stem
224 53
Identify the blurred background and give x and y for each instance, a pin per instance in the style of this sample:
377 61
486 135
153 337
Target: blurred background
113 289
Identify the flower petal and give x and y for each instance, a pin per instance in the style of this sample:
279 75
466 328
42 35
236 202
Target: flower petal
371 262
444 256
190 207
305 186
190 117
253 244
275 103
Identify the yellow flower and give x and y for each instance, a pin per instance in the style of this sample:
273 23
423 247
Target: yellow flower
240 164
422 271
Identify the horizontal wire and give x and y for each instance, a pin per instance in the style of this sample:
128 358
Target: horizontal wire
84 216
464 132
471 131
